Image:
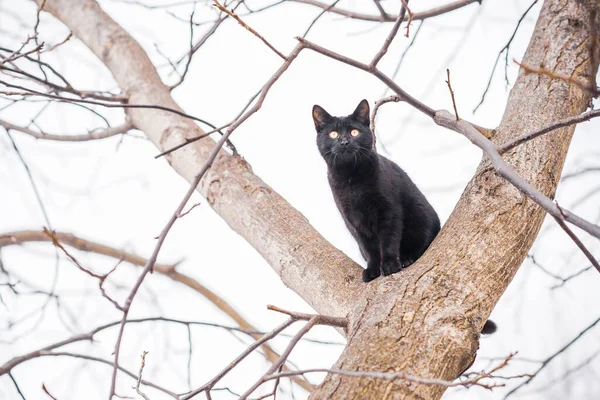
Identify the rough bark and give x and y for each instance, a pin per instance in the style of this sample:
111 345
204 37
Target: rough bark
425 320
322 275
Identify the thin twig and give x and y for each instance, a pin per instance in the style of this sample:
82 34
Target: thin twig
314 320
314 21
378 104
505 50
553 75
410 16
552 357
139 379
434 12
242 23
452 94
93 135
393 376
586 116
390 37
575 239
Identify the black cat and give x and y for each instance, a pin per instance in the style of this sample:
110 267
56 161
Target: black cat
387 214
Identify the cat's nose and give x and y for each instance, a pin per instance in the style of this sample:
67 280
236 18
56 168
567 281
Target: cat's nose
344 141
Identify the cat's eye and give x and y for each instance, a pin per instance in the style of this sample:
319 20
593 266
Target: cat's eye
354 132
333 134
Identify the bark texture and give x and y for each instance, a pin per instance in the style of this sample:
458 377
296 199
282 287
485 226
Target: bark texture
425 321
321 274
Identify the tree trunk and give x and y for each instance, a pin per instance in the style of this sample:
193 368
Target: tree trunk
426 320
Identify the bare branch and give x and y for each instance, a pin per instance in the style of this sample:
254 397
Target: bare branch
379 7
93 135
321 320
390 37
575 239
389 18
139 380
277 364
393 376
552 357
27 91
586 116
314 21
553 75
451 94
209 385
242 23
505 50
378 104
107 362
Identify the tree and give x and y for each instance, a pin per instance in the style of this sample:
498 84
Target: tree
423 323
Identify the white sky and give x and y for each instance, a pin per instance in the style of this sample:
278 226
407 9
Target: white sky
115 192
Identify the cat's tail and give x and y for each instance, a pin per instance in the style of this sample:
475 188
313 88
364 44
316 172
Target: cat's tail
489 327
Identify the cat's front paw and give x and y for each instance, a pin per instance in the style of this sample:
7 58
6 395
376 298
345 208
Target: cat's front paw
390 267
407 263
370 273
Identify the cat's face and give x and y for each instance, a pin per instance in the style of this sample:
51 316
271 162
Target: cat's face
344 140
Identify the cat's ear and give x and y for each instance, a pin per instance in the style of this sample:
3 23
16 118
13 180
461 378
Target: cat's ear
320 116
361 114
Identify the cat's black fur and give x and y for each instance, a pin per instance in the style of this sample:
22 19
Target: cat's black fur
387 214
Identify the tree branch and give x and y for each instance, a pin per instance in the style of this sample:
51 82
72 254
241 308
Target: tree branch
417 16
93 135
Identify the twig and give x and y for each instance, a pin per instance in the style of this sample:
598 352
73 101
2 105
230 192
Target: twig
552 357
586 116
504 49
58 88
379 7
98 103
553 75
101 278
378 104
392 376
45 389
93 135
191 140
404 53
575 239
434 12
277 364
390 37
31 180
583 171
314 21
322 320
242 23
14 381
410 16
452 94
195 47
139 379
209 385
107 362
